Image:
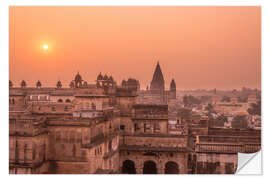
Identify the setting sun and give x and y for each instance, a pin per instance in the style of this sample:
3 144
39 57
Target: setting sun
45 47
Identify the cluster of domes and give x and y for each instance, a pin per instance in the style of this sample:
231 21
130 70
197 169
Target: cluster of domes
59 84
131 84
105 80
38 84
78 82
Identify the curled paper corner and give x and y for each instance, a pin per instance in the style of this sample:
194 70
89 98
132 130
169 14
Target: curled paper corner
249 163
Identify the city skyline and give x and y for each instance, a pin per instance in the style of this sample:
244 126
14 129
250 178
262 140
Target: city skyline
225 40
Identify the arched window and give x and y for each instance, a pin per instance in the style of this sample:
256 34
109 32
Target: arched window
74 150
149 167
13 101
60 100
171 168
68 101
128 167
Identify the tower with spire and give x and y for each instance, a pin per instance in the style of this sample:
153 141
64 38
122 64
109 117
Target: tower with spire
172 92
157 83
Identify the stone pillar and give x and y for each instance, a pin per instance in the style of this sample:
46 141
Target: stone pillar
139 167
160 167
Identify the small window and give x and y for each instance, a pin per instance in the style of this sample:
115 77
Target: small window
53 108
122 127
110 145
60 100
136 127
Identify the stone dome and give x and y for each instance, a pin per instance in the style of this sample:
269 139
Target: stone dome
59 84
38 84
100 77
23 84
78 78
105 77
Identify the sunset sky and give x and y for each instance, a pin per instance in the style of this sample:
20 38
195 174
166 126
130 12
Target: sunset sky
200 47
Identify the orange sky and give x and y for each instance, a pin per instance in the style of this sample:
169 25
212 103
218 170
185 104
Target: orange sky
201 47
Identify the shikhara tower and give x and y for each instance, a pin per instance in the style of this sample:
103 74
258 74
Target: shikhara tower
157 83
157 87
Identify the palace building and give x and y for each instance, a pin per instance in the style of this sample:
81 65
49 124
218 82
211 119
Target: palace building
105 128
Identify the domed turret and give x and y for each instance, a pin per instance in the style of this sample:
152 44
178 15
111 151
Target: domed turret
78 77
38 84
78 80
100 77
23 84
105 77
71 84
10 84
111 78
172 90
59 84
173 85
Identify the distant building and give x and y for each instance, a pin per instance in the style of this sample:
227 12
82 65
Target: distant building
157 93
102 128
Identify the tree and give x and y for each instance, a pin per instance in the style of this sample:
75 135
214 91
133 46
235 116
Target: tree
184 113
205 99
220 120
209 108
190 100
255 109
240 122
226 99
242 99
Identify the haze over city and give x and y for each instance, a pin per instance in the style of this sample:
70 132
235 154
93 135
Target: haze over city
200 47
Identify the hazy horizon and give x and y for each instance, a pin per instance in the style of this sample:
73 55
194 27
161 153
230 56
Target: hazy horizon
200 47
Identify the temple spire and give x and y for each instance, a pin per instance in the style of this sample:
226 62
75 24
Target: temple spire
157 82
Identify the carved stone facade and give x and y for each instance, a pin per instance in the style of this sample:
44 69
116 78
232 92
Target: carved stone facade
101 128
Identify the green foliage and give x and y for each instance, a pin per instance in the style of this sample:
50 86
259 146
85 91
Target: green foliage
226 99
242 99
209 107
255 109
190 100
240 122
205 99
220 120
184 113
